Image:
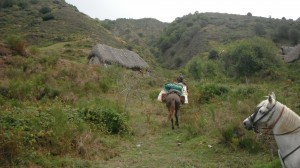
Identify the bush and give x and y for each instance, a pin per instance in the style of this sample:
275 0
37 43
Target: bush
112 120
17 44
105 85
211 91
248 57
203 68
294 36
7 3
23 4
250 144
48 16
259 29
45 10
213 54
34 1
245 92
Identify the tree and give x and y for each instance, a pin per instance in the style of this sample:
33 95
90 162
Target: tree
7 3
259 29
213 54
283 32
249 14
294 36
247 57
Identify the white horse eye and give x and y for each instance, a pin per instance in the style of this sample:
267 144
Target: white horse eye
261 111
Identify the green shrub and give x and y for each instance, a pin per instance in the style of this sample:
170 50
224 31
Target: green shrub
199 68
48 16
105 85
228 135
4 91
34 50
23 4
248 57
213 54
17 44
45 10
259 29
7 3
34 1
154 94
245 92
20 89
212 91
112 120
46 91
250 144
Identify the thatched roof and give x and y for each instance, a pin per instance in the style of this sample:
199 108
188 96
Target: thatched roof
291 54
103 54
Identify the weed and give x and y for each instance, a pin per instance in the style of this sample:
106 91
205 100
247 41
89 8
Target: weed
17 44
153 94
105 85
250 144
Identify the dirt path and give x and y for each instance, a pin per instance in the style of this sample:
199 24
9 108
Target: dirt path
154 144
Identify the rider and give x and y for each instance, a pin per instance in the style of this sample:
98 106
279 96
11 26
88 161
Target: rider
180 79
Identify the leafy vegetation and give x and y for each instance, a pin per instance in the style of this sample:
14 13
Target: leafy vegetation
57 111
248 57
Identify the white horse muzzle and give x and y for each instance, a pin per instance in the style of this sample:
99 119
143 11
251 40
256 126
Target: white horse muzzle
248 124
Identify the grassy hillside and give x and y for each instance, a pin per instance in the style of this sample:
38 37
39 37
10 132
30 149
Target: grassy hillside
52 108
46 22
57 111
139 34
196 33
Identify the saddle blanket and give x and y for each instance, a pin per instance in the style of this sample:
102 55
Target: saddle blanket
177 86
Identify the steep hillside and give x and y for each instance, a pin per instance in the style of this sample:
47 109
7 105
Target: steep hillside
58 111
195 33
141 31
140 34
44 22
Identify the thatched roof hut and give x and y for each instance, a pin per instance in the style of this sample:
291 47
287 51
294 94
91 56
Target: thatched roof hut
291 54
103 55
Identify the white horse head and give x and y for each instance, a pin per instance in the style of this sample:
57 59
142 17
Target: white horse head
262 115
271 115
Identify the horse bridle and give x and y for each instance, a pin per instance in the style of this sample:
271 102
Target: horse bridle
252 117
254 123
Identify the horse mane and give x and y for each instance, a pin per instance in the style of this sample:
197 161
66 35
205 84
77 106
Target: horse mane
290 120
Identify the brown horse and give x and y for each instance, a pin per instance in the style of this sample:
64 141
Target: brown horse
173 103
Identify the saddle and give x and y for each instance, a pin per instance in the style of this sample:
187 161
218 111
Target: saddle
164 95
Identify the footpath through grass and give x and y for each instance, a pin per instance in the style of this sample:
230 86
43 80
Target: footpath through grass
155 144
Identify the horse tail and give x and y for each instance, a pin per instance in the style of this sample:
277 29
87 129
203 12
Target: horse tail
172 108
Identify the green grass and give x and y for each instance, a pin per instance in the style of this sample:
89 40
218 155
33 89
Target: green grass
52 104
48 132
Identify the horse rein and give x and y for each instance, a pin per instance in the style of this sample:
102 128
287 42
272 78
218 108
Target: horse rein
273 125
252 118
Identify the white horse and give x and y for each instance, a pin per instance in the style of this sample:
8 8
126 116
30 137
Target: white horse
273 118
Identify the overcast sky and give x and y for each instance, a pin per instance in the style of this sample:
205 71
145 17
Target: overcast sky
168 10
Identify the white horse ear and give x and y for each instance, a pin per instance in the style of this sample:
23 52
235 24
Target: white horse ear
272 97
